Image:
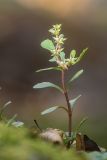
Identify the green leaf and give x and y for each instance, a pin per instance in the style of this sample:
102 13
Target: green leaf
18 124
73 101
49 110
47 85
77 75
10 121
52 30
48 44
62 56
82 54
6 104
81 123
52 59
47 69
73 54
4 107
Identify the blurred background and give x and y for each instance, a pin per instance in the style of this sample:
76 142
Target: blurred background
23 25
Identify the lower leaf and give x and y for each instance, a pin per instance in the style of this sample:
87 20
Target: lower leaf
49 110
73 101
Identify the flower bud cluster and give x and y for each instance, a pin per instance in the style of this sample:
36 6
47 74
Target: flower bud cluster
58 52
58 41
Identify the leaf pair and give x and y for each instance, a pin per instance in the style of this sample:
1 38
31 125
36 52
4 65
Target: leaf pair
77 75
51 85
52 109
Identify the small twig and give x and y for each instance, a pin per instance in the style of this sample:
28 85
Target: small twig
37 125
69 144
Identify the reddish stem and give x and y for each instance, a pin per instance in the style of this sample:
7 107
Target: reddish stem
68 104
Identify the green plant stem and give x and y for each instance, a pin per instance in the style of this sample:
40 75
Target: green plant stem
68 104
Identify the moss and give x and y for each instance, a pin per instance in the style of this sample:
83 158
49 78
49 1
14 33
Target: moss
16 144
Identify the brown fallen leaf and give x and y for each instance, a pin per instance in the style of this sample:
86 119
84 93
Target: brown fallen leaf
84 143
90 145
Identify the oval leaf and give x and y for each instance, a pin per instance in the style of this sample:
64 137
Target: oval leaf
62 56
46 85
73 54
48 44
73 101
76 75
49 110
53 59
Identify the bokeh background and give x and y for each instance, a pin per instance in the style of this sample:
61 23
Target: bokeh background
23 25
